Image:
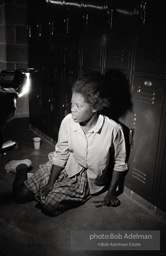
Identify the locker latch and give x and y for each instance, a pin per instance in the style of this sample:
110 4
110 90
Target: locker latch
131 137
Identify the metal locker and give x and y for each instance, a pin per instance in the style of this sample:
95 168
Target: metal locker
119 38
54 101
147 96
71 74
38 100
92 52
161 196
55 73
151 38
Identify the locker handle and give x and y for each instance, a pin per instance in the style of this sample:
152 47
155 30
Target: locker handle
131 136
148 83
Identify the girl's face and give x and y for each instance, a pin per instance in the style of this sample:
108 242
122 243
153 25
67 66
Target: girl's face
81 111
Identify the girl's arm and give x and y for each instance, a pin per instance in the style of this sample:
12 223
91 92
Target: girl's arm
54 174
53 177
120 165
111 199
58 158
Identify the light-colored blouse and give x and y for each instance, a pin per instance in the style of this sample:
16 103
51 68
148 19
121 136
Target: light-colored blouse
101 146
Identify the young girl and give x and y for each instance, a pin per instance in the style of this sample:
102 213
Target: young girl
90 154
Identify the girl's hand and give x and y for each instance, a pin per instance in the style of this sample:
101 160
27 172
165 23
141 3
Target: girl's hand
111 200
45 190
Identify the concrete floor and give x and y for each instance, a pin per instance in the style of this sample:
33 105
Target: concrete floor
25 231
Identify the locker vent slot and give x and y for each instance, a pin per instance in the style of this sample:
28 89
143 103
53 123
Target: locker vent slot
146 96
117 54
137 174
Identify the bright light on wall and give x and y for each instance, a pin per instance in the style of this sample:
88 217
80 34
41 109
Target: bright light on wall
26 86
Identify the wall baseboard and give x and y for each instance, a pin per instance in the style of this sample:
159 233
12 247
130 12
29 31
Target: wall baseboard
21 115
43 135
143 202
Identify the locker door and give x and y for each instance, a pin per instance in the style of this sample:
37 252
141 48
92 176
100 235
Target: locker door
71 68
37 33
38 100
151 38
92 36
32 33
54 101
119 34
71 74
55 74
147 97
92 51
38 54
161 200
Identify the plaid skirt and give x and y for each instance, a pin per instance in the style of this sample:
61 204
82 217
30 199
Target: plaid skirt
66 194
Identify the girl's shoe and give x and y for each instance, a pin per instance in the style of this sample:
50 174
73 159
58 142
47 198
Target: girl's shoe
12 165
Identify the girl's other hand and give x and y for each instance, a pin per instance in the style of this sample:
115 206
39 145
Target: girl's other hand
111 200
44 191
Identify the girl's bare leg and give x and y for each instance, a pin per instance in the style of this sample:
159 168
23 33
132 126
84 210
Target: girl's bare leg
21 193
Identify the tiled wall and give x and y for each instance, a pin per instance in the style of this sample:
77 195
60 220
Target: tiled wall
13 34
14 42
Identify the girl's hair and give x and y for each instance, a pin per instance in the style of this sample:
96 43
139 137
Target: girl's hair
92 88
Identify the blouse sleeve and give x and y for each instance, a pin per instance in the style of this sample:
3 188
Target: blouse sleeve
61 154
120 163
